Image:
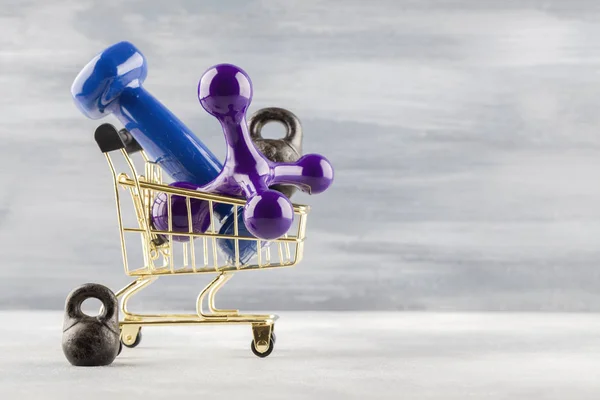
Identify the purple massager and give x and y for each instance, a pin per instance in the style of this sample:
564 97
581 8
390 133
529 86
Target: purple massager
225 92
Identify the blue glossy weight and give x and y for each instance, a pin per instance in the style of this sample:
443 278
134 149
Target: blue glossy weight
247 248
111 83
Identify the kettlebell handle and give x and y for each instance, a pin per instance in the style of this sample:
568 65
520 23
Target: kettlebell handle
76 298
260 118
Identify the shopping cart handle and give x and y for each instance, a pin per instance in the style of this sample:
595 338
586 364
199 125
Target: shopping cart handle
131 145
109 139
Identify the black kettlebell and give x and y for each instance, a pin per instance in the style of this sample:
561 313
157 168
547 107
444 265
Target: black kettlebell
287 149
91 341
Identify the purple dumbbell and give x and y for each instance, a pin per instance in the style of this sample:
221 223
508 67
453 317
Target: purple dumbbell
225 92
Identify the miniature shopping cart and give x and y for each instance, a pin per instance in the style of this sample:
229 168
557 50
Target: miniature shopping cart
198 255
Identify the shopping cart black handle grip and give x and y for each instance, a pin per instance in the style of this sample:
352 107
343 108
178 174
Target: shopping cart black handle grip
109 139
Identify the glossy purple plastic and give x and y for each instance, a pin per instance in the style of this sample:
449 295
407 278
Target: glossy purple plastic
199 211
225 92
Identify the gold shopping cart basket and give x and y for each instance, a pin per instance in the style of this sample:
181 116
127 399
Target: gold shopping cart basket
198 255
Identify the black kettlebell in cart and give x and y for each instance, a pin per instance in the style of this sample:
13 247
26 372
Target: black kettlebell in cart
287 149
91 341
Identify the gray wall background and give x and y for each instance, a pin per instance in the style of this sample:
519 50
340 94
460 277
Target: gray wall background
465 136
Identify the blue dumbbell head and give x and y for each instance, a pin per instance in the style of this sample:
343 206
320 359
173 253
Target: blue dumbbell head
97 88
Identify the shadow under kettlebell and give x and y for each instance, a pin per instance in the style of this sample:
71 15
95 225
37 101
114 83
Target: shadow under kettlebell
91 341
286 149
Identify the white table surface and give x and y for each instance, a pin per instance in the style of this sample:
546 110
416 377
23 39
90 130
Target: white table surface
320 356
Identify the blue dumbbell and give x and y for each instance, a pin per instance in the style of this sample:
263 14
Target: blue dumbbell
111 83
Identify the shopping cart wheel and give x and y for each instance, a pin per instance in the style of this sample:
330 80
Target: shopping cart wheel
266 352
120 348
131 338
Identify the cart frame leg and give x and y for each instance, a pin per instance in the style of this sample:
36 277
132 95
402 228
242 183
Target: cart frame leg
211 289
262 334
132 323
